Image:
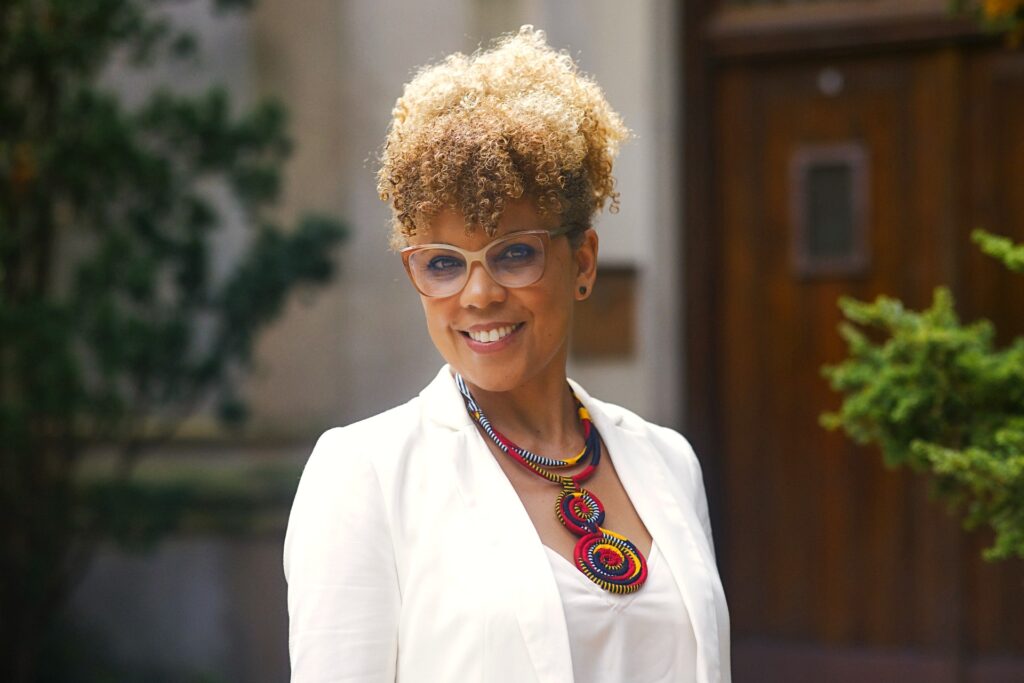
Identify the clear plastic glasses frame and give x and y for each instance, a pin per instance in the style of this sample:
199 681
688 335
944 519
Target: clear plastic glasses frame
517 259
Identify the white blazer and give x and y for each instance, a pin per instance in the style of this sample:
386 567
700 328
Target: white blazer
409 556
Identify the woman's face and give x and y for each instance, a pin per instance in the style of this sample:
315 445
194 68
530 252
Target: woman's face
533 322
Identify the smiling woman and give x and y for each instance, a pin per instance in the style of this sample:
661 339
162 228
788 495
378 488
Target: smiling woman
422 544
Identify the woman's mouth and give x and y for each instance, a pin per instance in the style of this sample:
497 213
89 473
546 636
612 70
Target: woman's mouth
492 335
491 339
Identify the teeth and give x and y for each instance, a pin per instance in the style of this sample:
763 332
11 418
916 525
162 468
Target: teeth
491 336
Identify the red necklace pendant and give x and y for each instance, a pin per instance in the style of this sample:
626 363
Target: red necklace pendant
608 559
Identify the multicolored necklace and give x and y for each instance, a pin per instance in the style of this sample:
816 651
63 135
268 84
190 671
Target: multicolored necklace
608 559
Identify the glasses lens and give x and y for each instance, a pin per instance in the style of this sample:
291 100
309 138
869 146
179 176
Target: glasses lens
438 272
517 261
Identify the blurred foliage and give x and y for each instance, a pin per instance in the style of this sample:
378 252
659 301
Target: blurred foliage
190 497
114 326
936 395
1001 248
996 16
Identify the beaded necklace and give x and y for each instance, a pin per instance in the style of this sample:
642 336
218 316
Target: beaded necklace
608 559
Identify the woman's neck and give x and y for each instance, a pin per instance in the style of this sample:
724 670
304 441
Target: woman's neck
539 416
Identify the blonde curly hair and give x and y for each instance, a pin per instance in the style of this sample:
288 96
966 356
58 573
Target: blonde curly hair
518 120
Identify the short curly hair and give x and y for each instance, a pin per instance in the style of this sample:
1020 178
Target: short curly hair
518 120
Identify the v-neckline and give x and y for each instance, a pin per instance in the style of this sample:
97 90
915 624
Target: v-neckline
613 599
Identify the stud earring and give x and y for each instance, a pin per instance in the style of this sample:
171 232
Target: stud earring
583 290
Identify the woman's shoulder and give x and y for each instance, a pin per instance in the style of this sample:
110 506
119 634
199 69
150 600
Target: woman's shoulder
346 475
364 441
383 440
665 437
674 448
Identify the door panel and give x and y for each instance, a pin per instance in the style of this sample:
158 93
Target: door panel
830 554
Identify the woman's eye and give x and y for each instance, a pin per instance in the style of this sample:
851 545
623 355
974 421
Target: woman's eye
517 252
443 263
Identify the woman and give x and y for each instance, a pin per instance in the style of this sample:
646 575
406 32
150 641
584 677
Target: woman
504 525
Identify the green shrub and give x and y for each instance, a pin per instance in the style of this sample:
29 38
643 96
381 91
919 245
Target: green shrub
937 396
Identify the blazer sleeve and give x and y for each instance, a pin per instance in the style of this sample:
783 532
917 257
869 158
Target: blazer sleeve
686 467
339 562
700 497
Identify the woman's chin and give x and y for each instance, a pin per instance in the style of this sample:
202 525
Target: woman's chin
497 379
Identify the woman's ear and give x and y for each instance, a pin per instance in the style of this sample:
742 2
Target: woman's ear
586 264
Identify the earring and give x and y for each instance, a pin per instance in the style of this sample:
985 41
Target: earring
583 289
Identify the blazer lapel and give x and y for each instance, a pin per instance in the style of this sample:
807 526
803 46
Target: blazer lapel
506 538
645 477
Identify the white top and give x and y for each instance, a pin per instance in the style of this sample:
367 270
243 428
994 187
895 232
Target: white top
641 637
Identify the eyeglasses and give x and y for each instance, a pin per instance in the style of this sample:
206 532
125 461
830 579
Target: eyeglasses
514 260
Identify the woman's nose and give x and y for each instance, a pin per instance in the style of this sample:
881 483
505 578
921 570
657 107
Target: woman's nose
481 290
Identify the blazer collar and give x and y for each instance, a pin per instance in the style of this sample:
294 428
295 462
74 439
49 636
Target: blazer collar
530 582
442 402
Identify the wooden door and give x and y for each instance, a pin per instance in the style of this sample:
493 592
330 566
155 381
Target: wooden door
836 568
